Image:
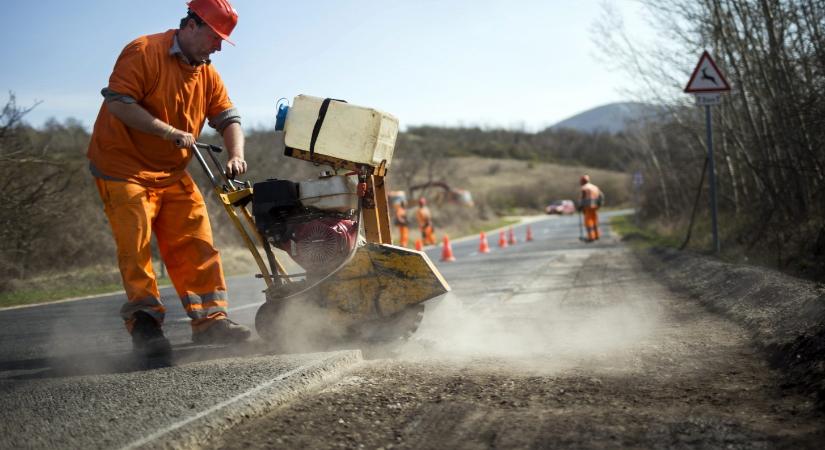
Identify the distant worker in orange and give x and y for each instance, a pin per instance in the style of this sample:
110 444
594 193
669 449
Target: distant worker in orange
589 203
425 222
402 223
162 90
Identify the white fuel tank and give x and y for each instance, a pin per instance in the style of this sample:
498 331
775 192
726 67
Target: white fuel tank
331 193
349 132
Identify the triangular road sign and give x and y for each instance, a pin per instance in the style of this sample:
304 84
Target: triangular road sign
707 77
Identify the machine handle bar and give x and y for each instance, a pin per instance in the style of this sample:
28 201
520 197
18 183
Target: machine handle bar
224 180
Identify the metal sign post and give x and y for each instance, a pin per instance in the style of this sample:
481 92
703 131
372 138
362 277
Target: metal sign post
712 180
708 84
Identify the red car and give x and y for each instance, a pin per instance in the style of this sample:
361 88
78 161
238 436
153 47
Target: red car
561 207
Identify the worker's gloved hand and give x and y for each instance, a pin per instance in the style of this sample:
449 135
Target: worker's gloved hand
182 139
235 166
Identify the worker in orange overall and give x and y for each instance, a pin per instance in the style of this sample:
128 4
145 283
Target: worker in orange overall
425 222
589 203
400 220
162 90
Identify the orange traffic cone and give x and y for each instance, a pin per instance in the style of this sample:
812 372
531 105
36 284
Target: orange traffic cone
529 234
511 237
447 252
482 245
419 245
502 241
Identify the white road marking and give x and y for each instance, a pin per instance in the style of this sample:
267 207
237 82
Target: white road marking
221 405
251 305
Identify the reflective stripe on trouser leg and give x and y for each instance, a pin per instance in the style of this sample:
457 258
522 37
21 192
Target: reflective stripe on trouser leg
185 241
131 209
204 308
591 223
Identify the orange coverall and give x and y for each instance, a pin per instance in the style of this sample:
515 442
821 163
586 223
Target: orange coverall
403 225
144 186
425 224
590 203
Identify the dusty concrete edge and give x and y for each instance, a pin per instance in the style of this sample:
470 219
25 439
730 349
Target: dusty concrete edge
785 315
212 426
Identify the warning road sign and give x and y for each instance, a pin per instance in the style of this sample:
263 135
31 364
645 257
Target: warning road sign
707 77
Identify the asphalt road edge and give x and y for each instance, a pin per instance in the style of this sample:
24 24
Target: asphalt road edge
785 315
211 423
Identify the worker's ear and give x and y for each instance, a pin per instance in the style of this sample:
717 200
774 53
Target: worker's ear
191 25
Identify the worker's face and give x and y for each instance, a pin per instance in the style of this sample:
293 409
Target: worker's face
203 41
207 41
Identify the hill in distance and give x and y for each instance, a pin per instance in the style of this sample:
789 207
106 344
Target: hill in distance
611 118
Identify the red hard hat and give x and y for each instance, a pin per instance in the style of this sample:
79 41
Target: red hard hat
218 14
584 179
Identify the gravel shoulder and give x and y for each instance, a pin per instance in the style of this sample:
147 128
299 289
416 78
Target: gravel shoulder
784 316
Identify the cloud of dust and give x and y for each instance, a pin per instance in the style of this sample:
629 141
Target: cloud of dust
86 345
540 334
302 326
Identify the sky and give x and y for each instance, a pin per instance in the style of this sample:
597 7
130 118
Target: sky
521 64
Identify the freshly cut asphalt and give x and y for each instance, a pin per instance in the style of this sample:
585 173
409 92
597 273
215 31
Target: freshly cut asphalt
177 406
68 378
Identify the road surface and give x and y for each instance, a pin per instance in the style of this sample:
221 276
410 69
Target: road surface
551 343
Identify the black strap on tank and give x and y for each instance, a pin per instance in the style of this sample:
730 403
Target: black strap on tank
322 113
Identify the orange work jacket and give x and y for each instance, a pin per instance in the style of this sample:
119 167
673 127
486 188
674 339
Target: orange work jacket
590 196
170 90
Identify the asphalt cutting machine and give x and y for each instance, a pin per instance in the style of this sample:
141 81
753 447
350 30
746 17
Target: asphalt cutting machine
350 283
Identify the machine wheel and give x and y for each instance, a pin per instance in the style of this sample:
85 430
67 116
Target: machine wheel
297 325
266 321
286 334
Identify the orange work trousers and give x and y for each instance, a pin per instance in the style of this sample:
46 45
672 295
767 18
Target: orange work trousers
404 235
176 214
591 223
427 235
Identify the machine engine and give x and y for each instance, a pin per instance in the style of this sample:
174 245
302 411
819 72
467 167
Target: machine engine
315 221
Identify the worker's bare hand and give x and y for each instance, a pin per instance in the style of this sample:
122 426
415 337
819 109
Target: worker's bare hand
235 166
182 139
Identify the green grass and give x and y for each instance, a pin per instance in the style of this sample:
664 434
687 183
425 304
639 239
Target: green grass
638 237
60 286
30 296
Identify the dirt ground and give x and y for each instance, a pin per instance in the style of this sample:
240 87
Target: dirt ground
657 370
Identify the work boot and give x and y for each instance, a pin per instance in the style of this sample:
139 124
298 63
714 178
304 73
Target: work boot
222 331
147 337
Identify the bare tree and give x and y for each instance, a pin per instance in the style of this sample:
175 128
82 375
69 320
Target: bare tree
769 129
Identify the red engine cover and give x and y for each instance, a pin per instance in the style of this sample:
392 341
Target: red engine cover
323 244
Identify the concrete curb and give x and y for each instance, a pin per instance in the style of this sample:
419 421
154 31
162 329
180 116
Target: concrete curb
785 315
208 425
